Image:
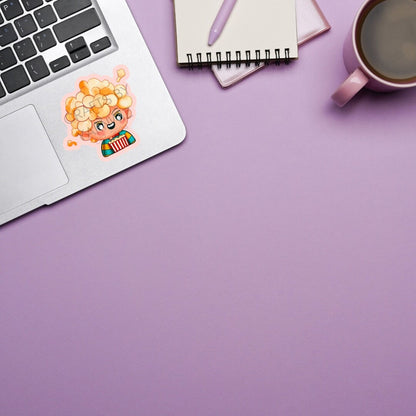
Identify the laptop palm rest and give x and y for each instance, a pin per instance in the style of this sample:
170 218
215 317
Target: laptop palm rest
29 166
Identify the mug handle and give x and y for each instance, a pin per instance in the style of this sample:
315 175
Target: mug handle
354 83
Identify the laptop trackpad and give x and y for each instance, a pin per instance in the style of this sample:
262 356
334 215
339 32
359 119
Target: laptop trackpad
29 166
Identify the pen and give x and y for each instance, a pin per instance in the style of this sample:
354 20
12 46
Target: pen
220 20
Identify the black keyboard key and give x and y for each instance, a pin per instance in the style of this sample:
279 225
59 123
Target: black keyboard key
44 40
7 34
66 8
25 25
45 16
1 19
11 9
100 44
76 25
80 54
75 44
7 58
15 79
31 4
2 92
24 49
60 64
37 68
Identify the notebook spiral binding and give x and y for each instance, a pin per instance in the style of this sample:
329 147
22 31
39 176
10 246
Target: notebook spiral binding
246 58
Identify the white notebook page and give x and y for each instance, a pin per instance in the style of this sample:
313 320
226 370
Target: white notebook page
254 25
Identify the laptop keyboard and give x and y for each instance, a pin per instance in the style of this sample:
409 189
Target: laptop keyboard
32 33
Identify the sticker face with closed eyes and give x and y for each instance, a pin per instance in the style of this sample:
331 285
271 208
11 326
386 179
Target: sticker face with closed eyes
99 113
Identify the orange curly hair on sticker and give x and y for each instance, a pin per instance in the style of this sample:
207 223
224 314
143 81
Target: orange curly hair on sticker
95 100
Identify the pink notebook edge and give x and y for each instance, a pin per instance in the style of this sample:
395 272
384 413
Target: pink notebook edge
326 26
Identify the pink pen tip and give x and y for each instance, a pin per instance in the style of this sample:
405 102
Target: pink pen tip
221 20
213 36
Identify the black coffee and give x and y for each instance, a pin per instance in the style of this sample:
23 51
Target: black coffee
386 39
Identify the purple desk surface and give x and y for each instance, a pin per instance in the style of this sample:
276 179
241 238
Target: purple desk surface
264 267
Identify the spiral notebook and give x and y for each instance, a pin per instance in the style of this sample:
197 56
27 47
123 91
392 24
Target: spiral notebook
311 22
257 31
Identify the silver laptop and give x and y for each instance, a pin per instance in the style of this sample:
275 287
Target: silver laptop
80 99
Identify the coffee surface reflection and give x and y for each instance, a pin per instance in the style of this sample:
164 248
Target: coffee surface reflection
386 39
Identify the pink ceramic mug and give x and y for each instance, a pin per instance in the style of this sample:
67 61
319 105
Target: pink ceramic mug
361 74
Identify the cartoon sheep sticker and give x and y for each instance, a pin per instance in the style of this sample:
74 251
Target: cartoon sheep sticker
99 113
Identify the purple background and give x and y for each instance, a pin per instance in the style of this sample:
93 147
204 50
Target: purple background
264 267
